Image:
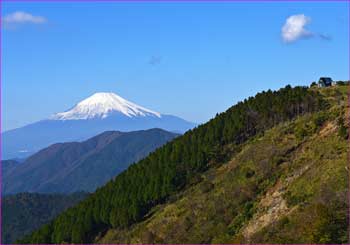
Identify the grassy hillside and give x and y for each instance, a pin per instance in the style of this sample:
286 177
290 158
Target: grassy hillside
224 181
286 186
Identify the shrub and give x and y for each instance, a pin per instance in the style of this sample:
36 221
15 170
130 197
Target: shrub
342 131
319 119
300 132
249 173
237 223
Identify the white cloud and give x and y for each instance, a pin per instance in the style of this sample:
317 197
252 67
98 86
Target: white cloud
20 17
294 28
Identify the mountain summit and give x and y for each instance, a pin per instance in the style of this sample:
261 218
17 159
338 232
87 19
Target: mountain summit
89 117
101 105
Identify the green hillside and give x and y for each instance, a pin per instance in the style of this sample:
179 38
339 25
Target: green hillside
250 174
286 186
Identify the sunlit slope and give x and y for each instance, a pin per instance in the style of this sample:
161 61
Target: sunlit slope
286 186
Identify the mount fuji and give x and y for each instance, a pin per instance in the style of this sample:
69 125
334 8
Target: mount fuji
93 115
102 105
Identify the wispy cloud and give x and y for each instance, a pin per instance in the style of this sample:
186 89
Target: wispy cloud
295 28
155 60
20 17
325 37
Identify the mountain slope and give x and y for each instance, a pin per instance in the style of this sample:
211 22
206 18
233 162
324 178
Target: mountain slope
24 212
176 166
99 113
74 166
7 166
289 185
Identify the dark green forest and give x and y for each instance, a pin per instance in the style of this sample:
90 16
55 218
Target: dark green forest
130 196
23 213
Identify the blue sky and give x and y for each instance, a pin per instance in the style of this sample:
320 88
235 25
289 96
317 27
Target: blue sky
187 59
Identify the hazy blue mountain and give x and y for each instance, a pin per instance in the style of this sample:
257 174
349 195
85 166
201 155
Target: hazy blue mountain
7 166
96 114
82 166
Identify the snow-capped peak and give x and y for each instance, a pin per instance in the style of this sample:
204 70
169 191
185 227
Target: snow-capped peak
100 105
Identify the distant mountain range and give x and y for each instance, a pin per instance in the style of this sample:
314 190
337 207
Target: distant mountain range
99 113
81 166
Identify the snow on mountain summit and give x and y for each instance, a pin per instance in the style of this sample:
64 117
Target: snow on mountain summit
100 105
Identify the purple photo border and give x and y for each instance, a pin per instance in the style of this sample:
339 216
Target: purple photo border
347 113
213 1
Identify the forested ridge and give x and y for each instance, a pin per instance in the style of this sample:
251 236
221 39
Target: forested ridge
127 198
288 185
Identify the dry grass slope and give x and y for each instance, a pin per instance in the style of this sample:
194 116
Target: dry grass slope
286 186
